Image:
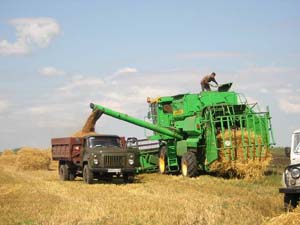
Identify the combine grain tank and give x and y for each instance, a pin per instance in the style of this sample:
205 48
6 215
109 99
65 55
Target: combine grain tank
208 131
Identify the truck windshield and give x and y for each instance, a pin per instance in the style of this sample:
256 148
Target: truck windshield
296 146
104 142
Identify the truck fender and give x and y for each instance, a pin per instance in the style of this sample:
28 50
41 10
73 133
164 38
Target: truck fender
283 180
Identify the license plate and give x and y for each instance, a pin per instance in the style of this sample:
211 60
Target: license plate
114 170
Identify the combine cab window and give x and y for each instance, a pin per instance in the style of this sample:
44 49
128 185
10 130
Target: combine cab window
104 142
167 108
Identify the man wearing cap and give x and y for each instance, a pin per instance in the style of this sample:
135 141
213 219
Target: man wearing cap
205 81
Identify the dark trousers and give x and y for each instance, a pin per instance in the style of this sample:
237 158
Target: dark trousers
205 87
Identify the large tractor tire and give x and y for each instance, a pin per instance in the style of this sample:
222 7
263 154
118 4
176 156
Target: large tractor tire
88 175
290 201
162 164
189 166
63 172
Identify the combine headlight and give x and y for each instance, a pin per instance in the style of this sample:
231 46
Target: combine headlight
131 161
295 173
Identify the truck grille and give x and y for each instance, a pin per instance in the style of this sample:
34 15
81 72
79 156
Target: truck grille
114 161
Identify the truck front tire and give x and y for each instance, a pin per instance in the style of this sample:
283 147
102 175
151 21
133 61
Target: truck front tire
88 175
189 166
290 201
128 178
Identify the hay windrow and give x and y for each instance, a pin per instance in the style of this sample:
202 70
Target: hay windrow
8 157
8 152
33 159
89 126
246 157
291 218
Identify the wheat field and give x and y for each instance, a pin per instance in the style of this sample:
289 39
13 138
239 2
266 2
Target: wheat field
39 197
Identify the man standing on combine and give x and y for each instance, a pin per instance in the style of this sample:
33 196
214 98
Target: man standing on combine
205 81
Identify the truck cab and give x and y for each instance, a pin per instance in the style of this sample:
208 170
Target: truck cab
93 157
291 175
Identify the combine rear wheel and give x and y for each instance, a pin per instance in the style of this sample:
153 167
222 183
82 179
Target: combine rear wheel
163 160
189 167
88 175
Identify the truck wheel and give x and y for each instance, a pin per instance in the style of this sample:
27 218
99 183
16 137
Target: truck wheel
88 175
128 178
63 172
163 160
189 167
72 176
290 201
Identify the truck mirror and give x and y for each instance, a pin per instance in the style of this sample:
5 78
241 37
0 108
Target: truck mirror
287 151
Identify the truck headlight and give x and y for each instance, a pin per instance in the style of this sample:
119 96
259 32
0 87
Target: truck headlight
96 162
295 173
131 161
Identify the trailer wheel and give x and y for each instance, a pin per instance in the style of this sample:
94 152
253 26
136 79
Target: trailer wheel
63 172
163 160
290 201
189 167
128 178
88 175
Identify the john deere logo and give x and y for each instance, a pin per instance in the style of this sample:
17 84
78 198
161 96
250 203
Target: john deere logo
178 112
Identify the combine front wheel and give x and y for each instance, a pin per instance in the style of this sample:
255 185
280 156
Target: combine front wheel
189 167
163 160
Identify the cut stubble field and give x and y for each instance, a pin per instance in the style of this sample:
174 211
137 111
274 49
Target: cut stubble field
38 197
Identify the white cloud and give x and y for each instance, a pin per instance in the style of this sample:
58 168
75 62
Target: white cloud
127 70
290 104
266 79
268 69
81 84
3 105
30 33
39 110
284 91
51 71
211 54
264 90
251 100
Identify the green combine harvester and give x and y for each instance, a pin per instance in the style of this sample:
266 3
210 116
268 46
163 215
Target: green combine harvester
195 131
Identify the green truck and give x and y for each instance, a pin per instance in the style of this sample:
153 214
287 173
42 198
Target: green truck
196 130
94 157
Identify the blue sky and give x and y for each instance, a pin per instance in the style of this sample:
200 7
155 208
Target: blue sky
56 57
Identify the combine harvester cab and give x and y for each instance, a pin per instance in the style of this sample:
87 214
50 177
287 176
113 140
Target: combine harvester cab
210 131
